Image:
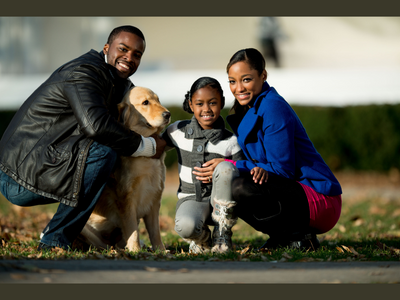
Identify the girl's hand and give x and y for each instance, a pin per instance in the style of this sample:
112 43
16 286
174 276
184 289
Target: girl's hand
204 174
259 175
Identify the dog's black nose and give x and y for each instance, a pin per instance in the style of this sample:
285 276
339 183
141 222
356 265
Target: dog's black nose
166 114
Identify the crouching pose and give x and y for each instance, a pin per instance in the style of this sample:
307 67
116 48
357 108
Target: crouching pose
206 154
297 195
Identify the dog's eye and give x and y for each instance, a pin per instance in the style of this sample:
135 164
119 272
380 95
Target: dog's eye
145 102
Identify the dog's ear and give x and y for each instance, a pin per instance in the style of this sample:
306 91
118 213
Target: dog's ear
123 110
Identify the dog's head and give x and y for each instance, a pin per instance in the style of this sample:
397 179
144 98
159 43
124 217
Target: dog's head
142 112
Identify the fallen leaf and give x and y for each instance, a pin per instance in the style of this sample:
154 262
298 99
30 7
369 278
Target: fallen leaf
342 228
346 248
245 249
58 250
376 210
339 249
358 222
353 251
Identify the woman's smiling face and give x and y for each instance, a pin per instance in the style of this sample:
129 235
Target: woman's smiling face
245 83
206 105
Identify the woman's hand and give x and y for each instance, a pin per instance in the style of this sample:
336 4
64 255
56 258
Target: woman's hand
259 175
204 174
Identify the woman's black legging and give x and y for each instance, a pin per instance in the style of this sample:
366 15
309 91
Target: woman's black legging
278 207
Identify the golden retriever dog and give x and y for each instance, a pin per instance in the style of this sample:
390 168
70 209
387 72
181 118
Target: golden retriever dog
135 189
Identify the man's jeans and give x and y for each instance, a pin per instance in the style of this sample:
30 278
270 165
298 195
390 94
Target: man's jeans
68 221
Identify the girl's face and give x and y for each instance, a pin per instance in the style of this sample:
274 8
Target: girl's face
245 83
206 106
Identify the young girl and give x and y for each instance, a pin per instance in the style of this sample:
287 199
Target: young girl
298 195
205 151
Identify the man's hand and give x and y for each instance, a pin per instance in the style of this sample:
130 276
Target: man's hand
259 175
160 145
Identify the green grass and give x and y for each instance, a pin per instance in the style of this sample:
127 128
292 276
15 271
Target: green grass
368 230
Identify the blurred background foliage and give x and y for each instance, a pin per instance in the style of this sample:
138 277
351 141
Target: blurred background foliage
350 138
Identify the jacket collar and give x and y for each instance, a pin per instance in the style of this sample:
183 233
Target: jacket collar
234 120
194 131
264 91
112 70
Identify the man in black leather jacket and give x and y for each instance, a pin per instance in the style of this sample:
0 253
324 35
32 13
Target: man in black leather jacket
62 144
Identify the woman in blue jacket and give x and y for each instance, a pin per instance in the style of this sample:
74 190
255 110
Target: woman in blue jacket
291 194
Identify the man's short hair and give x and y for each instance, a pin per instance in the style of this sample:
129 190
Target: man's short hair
125 28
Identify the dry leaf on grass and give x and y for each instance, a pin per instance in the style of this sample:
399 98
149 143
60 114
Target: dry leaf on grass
346 248
358 222
245 250
396 213
353 251
339 249
376 210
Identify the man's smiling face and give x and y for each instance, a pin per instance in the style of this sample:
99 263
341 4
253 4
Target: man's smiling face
125 53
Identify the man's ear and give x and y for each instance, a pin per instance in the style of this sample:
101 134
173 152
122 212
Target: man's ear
105 49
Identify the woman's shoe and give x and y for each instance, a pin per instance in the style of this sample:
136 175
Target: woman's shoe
302 242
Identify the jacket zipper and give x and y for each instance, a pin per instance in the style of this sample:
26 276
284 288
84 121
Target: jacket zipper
83 154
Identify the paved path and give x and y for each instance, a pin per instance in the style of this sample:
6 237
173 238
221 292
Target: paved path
110 271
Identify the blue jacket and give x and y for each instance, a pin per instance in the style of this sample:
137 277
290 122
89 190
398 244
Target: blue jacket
273 138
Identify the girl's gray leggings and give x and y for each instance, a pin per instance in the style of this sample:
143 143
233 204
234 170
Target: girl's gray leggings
192 215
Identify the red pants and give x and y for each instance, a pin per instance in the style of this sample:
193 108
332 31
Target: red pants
324 210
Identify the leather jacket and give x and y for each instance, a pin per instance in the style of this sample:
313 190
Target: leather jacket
45 146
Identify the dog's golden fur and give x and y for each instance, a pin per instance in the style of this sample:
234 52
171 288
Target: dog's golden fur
136 188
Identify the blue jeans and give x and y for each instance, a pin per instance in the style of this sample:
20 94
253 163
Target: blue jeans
68 221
